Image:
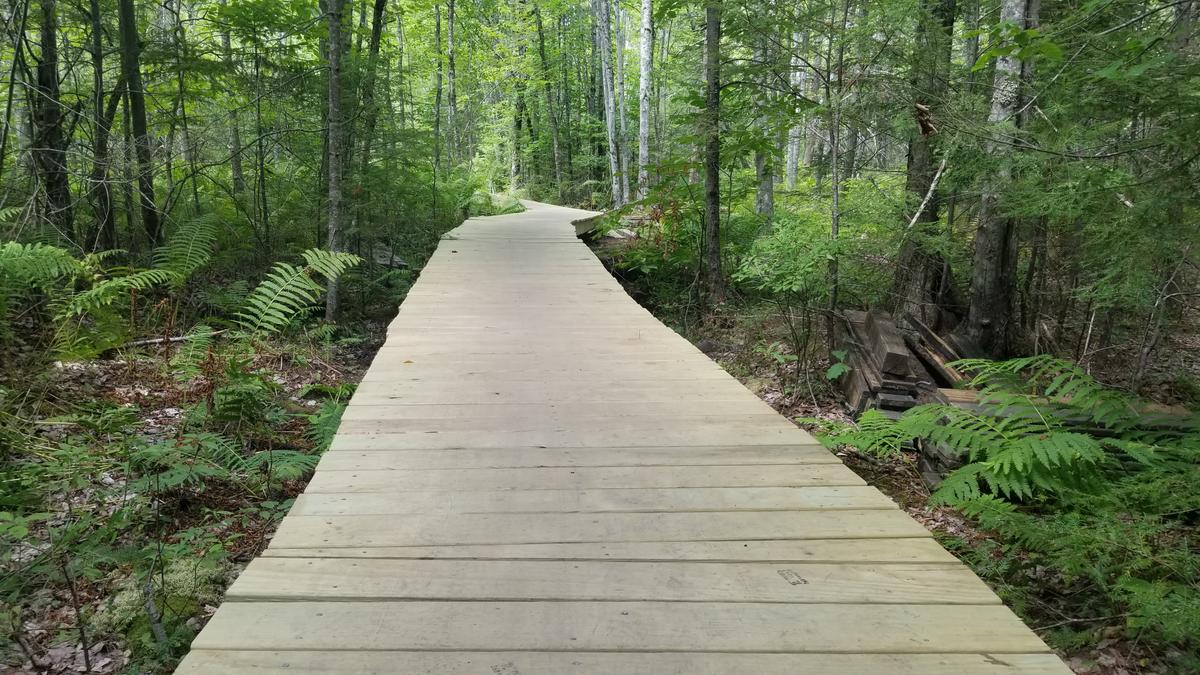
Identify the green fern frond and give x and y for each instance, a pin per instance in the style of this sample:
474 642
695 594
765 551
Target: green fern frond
329 264
36 264
108 291
289 290
190 247
323 425
284 464
875 434
276 300
185 364
221 451
962 485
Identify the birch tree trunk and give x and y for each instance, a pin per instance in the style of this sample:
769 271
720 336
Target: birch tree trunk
798 81
645 72
622 113
993 280
714 283
604 46
336 141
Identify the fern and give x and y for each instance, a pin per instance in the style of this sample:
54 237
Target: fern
289 290
195 349
284 464
190 247
329 264
874 434
1030 437
323 424
108 291
36 264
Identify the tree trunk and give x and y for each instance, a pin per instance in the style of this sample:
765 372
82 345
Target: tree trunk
551 113
451 86
50 143
714 282
646 66
336 139
104 235
622 113
797 79
917 287
437 97
604 46
990 319
235 136
764 165
131 68
370 108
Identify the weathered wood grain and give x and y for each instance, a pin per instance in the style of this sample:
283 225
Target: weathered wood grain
536 477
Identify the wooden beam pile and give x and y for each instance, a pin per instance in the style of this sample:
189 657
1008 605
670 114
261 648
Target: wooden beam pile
883 372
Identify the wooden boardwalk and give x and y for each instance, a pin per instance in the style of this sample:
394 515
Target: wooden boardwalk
536 477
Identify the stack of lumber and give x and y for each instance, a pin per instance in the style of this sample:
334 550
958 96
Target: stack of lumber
883 372
934 352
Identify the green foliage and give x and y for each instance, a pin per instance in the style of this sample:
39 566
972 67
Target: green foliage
1074 477
289 290
104 293
190 247
35 264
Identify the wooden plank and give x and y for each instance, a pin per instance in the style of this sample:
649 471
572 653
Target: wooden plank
593 501
583 478
467 412
756 425
498 458
293 579
546 528
617 626
650 436
307 662
864 551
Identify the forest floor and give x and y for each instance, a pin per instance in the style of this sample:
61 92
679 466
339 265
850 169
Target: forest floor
750 342
236 522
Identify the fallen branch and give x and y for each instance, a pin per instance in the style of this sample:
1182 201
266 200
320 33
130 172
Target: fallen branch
167 340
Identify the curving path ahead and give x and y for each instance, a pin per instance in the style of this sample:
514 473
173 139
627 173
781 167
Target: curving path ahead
536 477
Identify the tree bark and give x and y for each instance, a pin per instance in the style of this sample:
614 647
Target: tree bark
437 97
551 113
50 145
645 72
235 136
104 235
798 80
604 46
451 86
714 282
918 287
336 139
131 68
764 165
990 319
622 113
